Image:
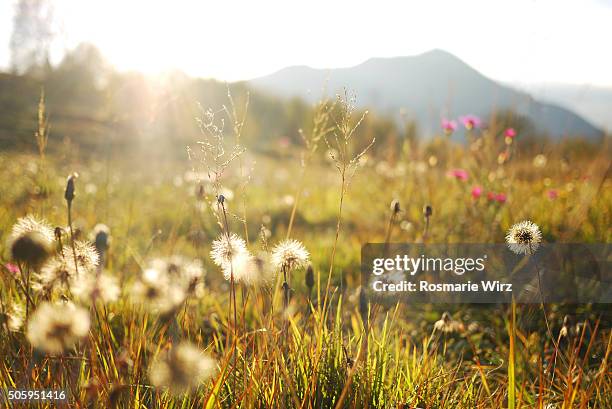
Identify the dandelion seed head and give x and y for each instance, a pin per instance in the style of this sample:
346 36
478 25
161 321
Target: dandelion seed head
55 273
289 254
225 249
158 290
88 288
252 269
31 224
447 325
524 237
182 369
54 328
31 248
13 318
86 255
30 240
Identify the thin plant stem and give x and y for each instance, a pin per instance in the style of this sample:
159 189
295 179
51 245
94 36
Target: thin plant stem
76 264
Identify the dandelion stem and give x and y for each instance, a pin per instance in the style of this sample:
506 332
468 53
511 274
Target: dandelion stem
76 264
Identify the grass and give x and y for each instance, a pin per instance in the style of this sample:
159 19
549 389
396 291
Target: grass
319 351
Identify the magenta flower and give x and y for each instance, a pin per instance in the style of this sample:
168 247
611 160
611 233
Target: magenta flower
501 198
476 192
552 194
12 268
459 174
470 121
449 126
510 133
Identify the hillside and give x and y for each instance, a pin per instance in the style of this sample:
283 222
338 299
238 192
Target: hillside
426 87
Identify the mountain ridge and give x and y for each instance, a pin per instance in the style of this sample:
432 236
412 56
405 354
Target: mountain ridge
427 86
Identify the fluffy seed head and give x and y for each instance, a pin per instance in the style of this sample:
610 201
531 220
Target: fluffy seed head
289 254
31 248
524 237
157 292
230 253
86 254
182 369
54 328
12 319
89 288
447 325
30 241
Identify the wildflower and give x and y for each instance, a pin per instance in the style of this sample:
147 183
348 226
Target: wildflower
501 198
251 269
12 319
55 273
459 174
88 288
447 325
524 237
227 251
449 126
470 121
157 292
56 327
179 270
476 192
289 254
491 196
30 241
183 369
552 194
510 133
539 161
87 257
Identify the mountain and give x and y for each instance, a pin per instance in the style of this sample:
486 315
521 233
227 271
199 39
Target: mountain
592 102
425 87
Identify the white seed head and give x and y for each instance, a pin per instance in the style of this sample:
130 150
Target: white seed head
54 328
182 369
30 224
289 254
89 288
524 237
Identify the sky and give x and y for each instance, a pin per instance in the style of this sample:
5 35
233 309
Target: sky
515 41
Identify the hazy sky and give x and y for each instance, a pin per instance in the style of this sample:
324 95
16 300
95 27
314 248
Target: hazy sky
525 41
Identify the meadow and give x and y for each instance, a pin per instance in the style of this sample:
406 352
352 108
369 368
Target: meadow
230 277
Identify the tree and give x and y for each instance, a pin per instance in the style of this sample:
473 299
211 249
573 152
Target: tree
32 35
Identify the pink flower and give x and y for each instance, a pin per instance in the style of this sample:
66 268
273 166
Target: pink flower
501 198
552 194
476 192
12 268
449 126
470 121
510 133
459 174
